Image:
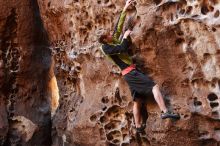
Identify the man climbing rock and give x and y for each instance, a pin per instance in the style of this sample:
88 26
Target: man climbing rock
141 86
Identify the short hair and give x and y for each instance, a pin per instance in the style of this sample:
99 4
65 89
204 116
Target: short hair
101 35
102 38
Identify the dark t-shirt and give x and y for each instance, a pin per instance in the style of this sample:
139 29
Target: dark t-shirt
114 50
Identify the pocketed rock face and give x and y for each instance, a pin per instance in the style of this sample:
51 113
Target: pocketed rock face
176 42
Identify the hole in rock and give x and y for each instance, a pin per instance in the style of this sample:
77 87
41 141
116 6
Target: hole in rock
112 6
117 95
180 33
217 128
83 31
182 11
105 99
197 102
72 110
171 17
216 15
212 97
104 108
13 96
115 133
189 9
103 119
109 137
111 144
214 104
153 139
179 41
125 144
211 8
195 16
106 1
124 98
128 115
99 1
89 25
93 118
28 98
116 141
48 5
113 110
71 24
213 82
124 135
213 85
185 116
157 1
196 81
78 68
145 140
86 14
11 115
112 125
204 10
215 114
81 101
206 55
213 29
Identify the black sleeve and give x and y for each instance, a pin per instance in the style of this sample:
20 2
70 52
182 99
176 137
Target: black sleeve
111 49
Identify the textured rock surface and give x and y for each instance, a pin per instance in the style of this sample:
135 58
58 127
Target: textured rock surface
176 42
26 75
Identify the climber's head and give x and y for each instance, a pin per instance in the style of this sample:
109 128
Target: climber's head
104 36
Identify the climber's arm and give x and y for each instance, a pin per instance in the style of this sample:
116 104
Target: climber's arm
121 21
119 26
116 49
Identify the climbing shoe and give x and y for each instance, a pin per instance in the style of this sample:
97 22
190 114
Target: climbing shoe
141 129
170 115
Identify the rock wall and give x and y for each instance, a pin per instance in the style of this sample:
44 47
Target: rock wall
175 42
26 75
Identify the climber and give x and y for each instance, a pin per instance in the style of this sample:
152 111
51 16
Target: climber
140 84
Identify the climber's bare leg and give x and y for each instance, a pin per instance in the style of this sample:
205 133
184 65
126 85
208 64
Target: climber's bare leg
137 112
159 98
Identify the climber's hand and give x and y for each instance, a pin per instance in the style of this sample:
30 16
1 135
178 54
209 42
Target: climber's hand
128 3
127 33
